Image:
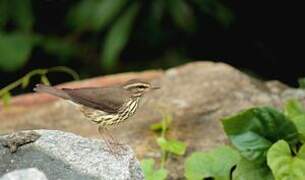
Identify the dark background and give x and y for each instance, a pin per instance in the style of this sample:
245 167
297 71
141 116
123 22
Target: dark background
263 40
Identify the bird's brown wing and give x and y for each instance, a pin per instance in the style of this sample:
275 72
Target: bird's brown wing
106 99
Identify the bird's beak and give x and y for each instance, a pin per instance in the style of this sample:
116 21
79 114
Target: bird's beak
155 87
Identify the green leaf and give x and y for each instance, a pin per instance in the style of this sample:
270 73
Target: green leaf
216 163
25 81
163 125
296 113
6 98
4 11
15 49
301 83
182 14
172 146
283 165
45 80
105 12
252 170
253 131
80 15
22 14
294 108
251 145
150 173
117 37
217 10
301 153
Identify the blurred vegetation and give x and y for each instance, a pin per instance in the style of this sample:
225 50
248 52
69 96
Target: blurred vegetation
23 82
97 32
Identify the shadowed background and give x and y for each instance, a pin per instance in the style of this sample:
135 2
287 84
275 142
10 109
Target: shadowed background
96 37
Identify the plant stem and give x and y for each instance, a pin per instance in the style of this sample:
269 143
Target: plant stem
42 72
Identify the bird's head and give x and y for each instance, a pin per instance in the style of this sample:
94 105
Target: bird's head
138 87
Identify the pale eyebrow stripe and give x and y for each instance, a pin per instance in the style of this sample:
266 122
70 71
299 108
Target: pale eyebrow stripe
137 84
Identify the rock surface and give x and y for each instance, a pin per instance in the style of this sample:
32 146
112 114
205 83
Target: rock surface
24 174
197 94
61 155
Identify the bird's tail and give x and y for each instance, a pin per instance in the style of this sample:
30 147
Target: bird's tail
51 90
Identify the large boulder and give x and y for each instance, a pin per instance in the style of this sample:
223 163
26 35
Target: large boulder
61 155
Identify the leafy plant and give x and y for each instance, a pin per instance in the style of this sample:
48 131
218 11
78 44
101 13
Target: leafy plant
24 81
168 146
100 29
269 145
295 111
253 131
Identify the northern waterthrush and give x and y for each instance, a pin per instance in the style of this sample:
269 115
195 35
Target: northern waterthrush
106 106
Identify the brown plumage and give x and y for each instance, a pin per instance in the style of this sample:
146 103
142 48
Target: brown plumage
104 105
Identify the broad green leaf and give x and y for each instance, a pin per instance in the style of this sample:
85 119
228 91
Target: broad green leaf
150 173
117 37
22 14
182 14
6 97
252 170
251 145
284 166
4 9
301 82
296 112
172 146
25 81
80 15
294 108
216 163
253 131
105 12
217 10
153 23
15 49
45 80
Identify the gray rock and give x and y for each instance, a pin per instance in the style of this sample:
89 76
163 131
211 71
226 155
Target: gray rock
61 155
22 174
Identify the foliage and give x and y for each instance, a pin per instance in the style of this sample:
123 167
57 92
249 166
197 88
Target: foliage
253 131
150 173
168 146
283 164
295 111
216 163
251 170
25 80
171 146
268 147
99 30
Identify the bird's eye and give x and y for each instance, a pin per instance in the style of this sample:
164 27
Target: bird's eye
141 87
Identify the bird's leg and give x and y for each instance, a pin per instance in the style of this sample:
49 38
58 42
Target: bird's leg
115 141
105 135
111 142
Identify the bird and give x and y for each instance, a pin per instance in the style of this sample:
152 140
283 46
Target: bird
105 106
